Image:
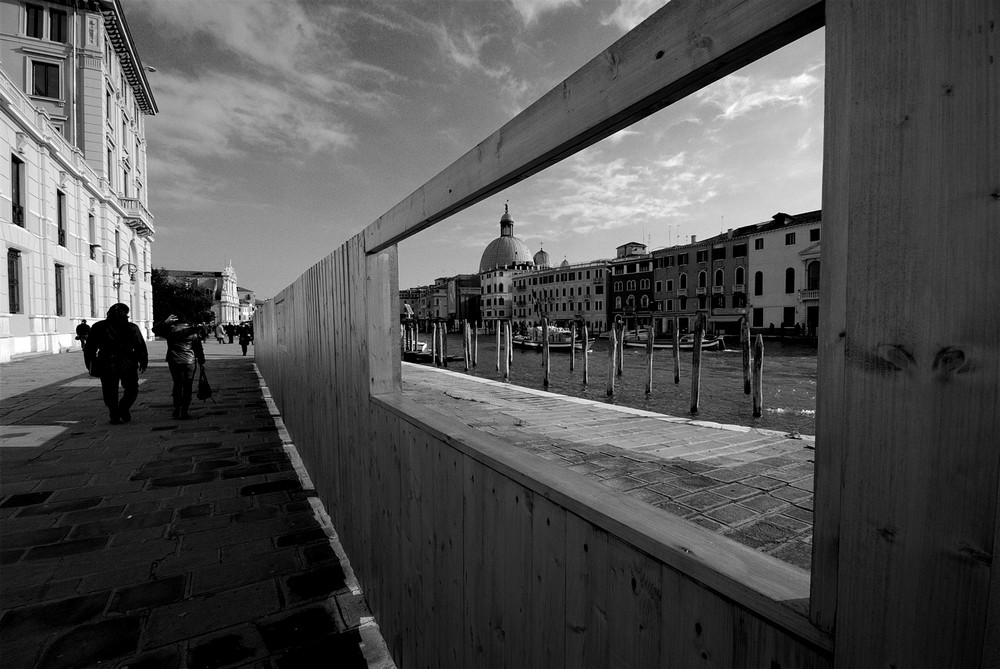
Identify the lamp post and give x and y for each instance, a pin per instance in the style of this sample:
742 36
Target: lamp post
117 277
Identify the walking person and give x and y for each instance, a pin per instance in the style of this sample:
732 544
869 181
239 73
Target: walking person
82 332
220 332
245 336
184 353
116 352
231 331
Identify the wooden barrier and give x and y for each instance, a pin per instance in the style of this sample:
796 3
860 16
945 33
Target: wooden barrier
548 570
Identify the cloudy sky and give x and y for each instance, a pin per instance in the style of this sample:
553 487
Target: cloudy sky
287 127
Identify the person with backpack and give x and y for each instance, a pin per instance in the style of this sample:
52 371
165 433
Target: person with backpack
116 352
184 353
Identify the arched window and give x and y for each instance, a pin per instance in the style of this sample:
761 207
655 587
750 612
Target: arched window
630 302
683 281
790 280
812 275
702 279
645 301
618 303
720 277
500 287
501 300
618 286
758 283
631 285
740 275
644 284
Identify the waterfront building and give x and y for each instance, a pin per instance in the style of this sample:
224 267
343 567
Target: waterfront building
504 258
74 220
570 293
451 300
785 263
226 301
248 303
630 286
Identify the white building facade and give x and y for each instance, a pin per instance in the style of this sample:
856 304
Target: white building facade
74 220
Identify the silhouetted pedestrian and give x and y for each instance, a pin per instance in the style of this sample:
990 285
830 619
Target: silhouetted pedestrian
116 352
82 332
220 332
246 336
184 352
231 331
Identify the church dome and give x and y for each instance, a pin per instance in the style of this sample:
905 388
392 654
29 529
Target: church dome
541 258
564 263
506 249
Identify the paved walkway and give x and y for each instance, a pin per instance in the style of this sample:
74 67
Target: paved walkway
754 486
164 543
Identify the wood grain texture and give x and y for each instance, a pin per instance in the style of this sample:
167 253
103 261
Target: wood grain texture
681 48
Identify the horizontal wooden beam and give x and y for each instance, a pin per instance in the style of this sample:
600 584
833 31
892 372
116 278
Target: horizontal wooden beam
683 47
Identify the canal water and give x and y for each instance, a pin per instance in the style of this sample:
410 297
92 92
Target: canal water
789 386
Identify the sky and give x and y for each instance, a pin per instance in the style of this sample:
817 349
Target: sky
285 128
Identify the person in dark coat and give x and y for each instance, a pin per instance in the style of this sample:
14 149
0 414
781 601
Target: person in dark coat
231 331
118 349
184 353
82 332
246 336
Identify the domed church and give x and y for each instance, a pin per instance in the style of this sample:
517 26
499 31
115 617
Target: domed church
504 257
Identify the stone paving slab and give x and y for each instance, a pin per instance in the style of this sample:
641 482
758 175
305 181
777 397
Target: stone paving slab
165 543
754 486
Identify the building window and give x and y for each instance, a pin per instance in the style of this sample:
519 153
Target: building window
719 253
618 286
34 25
670 285
739 250
644 302
702 279
631 285
618 303
788 317
701 256
44 79
92 235
814 235
93 296
118 250
684 303
644 284
14 281
789 238
758 283
659 286
683 282
812 276
57 26
61 217
720 276
17 191
60 299
718 301
790 280
740 276
682 259
758 318
758 244
670 305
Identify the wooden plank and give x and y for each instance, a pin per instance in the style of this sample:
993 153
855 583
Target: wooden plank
382 293
681 48
773 589
698 631
587 594
634 612
917 515
449 581
548 615
475 578
512 562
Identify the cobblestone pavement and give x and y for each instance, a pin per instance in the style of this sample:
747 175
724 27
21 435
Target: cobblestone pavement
165 543
754 486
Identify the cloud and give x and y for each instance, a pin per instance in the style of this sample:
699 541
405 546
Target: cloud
630 13
530 10
737 96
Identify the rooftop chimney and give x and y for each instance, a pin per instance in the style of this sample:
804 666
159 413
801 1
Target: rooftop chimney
694 238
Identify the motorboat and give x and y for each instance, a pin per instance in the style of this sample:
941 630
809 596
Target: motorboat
560 339
686 342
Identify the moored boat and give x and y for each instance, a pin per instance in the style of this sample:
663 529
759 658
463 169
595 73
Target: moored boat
560 339
686 343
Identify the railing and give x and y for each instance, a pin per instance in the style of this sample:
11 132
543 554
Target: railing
808 295
739 288
718 289
137 216
701 290
682 292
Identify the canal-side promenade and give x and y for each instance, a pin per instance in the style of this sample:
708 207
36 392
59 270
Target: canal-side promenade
754 486
165 543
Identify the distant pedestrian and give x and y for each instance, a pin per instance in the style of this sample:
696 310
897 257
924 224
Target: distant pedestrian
82 332
231 331
246 336
220 332
184 352
116 352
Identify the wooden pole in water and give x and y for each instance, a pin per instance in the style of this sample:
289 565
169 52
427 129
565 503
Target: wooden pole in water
586 354
758 383
572 347
677 350
621 348
649 361
444 344
434 341
612 363
745 345
510 344
506 357
498 345
475 345
699 336
545 351
466 353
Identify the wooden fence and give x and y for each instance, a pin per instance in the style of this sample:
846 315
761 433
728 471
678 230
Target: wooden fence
473 555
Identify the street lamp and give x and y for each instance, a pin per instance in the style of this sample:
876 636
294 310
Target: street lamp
117 276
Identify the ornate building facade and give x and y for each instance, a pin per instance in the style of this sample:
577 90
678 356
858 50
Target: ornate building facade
74 221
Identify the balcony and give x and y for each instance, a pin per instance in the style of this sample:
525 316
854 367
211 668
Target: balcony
682 292
701 290
809 295
718 290
137 216
739 288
